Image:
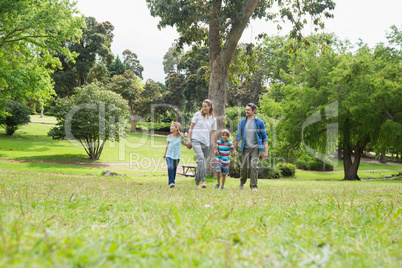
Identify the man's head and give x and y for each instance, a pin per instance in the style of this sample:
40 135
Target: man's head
250 109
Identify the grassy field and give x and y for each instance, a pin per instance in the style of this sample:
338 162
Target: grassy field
58 215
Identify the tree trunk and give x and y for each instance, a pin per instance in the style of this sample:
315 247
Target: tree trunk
350 168
133 118
220 58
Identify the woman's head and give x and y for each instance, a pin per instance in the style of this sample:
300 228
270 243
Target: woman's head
207 107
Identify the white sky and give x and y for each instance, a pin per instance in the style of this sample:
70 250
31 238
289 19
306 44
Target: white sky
136 29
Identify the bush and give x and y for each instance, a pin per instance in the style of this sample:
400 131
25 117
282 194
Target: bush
286 169
18 115
301 164
92 116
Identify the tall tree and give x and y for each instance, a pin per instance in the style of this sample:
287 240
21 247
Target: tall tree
128 86
95 44
31 33
130 59
225 22
359 93
220 24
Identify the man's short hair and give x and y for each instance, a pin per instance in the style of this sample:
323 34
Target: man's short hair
253 106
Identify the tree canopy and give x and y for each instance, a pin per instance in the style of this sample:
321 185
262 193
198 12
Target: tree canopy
31 33
91 116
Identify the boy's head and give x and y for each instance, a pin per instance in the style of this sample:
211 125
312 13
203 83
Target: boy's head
225 133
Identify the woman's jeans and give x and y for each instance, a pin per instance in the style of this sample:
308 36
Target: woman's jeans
201 150
172 167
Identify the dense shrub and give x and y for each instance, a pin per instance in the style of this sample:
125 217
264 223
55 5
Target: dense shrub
91 116
18 115
313 164
286 169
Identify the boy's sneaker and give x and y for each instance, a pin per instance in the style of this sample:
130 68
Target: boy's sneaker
171 185
217 186
254 189
223 188
241 186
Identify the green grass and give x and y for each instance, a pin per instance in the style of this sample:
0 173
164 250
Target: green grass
58 215
72 220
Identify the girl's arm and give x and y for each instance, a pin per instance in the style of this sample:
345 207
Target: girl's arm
164 156
184 143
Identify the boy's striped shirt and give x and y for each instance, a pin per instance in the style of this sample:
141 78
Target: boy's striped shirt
224 152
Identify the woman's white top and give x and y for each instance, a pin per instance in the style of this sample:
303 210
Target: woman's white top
202 127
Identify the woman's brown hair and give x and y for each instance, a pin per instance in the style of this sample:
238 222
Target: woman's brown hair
211 105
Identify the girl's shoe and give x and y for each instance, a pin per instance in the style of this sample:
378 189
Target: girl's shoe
171 185
217 186
197 187
204 184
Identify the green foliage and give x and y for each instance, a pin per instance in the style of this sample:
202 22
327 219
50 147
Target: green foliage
17 113
286 169
130 59
31 33
95 44
92 116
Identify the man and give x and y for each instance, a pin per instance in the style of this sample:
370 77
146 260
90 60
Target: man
252 133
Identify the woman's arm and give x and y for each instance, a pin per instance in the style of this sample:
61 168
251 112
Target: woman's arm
215 140
190 134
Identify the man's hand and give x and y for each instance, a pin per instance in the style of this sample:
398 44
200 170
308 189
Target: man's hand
265 155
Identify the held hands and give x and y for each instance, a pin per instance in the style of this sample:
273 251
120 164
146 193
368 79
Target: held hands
189 146
216 152
234 152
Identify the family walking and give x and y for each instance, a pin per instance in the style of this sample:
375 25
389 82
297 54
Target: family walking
251 133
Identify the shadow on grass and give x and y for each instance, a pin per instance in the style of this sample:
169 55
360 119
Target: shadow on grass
58 158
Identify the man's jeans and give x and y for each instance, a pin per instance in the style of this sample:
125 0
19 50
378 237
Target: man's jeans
249 160
172 168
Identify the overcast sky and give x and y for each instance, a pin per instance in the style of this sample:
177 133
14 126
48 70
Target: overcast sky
136 30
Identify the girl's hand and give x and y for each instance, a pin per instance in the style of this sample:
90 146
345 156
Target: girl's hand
164 156
189 145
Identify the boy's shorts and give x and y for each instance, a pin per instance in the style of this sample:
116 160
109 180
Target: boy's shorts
222 168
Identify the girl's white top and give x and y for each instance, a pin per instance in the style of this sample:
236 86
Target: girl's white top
202 127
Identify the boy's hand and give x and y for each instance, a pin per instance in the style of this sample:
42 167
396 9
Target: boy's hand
216 152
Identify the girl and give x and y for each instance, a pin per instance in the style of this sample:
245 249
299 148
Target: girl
172 152
202 126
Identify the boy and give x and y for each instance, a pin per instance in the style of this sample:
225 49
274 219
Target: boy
223 149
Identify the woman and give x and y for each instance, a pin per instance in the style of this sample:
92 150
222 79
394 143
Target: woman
202 126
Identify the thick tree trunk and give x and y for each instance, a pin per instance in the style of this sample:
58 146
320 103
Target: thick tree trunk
350 168
219 61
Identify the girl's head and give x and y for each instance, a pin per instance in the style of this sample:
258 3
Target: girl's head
175 127
225 134
207 107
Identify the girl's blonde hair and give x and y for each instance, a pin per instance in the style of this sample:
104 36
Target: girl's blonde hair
178 126
211 105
